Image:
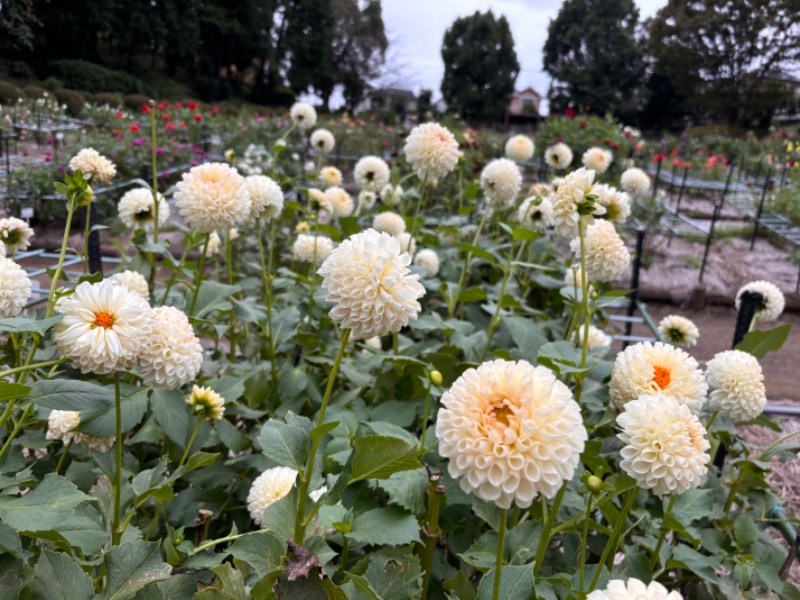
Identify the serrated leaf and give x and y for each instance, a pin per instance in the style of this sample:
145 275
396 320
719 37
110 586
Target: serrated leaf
43 508
59 577
102 423
22 325
261 550
378 457
70 394
12 391
213 296
395 574
516 583
759 343
131 566
745 531
286 444
684 556
407 489
172 414
390 525
526 334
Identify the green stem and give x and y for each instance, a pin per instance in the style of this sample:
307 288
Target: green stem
585 541
222 540
17 428
711 422
64 453
117 483
731 493
421 451
229 268
173 277
199 277
343 558
30 367
191 441
266 279
312 277
498 561
305 476
416 213
86 234
431 531
663 534
611 544
772 446
154 173
587 315
463 278
51 300
544 540
507 273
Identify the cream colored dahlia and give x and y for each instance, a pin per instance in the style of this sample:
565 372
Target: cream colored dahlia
320 204
616 203
233 233
556 182
323 141
635 181
607 258
772 302
304 250
407 243
214 243
95 167
392 195
511 431
678 330
2 250
269 487
597 159
541 189
206 403
574 201
738 385
105 327
519 148
371 173
647 368
501 181
428 260
304 115
330 176
15 234
374 342
213 196
136 209
61 426
390 222
536 213
597 337
367 277
133 281
172 355
558 156
431 150
573 276
341 202
366 199
266 198
633 589
666 449
15 288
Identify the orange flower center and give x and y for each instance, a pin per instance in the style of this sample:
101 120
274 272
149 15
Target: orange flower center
103 319
661 377
500 414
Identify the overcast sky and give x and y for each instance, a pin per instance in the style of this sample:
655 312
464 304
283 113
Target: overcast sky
416 27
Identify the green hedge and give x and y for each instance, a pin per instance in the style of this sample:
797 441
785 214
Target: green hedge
74 100
89 77
9 92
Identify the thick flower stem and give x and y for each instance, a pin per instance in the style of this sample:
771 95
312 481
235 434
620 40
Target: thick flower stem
174 275
64 454
498 561
117 483
229 268
154 173
266 279
587 315
453 302
544 540
51 299
305 477
431 531
17 428
86 233
31 367
663 534
585 541
200 269
507 273
611 545
421 451
413 231
191 441
312 277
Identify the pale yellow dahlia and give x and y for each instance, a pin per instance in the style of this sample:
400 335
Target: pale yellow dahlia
558 156
597 159
390 222
738 385
407 243
367 277
678 330
575 201
511 431
61 426
519 148
772 302
330 176
666 449
304 115
428 260
133 281
213 196
647 368
94 166
306 247
501 181
15 234
633 589
607 258
597 337
432 150
172 355
635 181
323 141
266 198
536 213
269 487
341 202
541 189
206 403
320 204
136 209
616 203
371 173
15 288
105 327
367 199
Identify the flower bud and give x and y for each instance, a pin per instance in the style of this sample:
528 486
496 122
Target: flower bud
594 483
436 377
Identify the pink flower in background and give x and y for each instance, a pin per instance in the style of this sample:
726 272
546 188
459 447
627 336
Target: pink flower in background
138 142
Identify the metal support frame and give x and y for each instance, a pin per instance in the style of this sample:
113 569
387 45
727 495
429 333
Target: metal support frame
709 239
760 209
634 295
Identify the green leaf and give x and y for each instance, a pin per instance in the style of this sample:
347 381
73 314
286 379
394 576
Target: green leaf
21 325
395 574
362 585
378 457
476 251
70 394
213 296
43 508
172 414
407 489
131 566
526 334
59 577
563 357
286 444
686 557
523 233
261 550
82 529
102 423
390 525
745 531
516 583
12 391
758 343
279 516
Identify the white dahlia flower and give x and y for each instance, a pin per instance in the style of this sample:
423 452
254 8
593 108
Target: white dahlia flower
136 209
511 431
738 384
666 449
573 276
2 250
94 166
678 330
597 159
214 243
536 213
428 260
607 258
616 203
772 302
367 277
558 156
61 426
323 141
432 150
597 337
305 247
213 196
105 327
172 355
501 181
371 173
646 368
541 189
15 288
633 589
407 243
341 202
374 342
304 115
133 281
266 198
556 182
330 176
366 199
392 195
15 234
635 181
320 204
575 201
519 148
269 487
390 222
206 403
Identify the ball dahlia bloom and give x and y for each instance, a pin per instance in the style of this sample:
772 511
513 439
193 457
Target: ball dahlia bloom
633 589
133 281
206 403
213 196
341 202
428 260
575 201
390 222
519 148
61 426
666 449
678 330
105 327
367 199
558 156
269 487
607 258
597 159
15 288
136 210
95 167
407 243
647 368
303 115
432 150
597 337
323 141
330 176
307 248
368 279
536 213
617 204
738 385
501 181
635 181
772 301
15 234
392 195
266 198
172 355
511 431
371 173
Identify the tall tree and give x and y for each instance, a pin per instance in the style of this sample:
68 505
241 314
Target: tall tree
728 56
308 39
17 20
480 66
594 58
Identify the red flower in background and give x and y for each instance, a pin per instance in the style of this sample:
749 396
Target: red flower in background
165 117
559 139
215 110
170 127
582 124
163 105
615 147
607 142
198 118
134 128
178 105
659 157
192 105
570 113
145 108
118 116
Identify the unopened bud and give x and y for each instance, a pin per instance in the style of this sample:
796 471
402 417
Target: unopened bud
436 377
594 483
